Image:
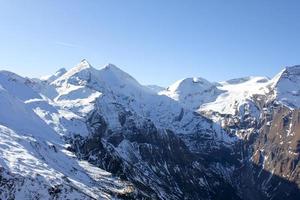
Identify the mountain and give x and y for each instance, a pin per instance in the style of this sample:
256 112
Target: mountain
90 133
192 92
155 88
286 86
35 162
236 93
51 78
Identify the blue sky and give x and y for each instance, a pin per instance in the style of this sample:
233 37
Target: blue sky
155 41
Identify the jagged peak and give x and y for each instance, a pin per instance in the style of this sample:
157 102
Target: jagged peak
110 76
83 65
82 71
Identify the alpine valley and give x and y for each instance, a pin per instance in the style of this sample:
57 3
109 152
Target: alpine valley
90 133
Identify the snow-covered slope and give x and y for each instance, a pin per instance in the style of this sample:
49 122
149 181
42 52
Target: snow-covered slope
106 117
18 86
111 91
51 78
286 86
224 97
45 115
237 92
192 92
34 161
42 169
15 114
155 88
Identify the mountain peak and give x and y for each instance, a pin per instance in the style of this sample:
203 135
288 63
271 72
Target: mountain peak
83 64
191 83
192 92
82 71
113 68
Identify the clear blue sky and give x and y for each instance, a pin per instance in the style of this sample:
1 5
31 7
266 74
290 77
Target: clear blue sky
156 41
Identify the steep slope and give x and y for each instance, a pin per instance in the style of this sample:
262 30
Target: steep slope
127 121
34 161
33 168
263 113
195 140
286 86
267 123
110 90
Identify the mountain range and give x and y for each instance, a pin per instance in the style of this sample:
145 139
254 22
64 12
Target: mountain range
89 133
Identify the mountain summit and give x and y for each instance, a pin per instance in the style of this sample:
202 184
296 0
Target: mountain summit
192 92
89 133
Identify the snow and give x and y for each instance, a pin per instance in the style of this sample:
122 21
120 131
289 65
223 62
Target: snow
238 92
17 86
42 113
51 78
110 91
286 86
36 114
49 165
14 113
32 148
192 92
155 88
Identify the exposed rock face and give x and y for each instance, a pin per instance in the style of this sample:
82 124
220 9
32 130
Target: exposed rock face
65 135
260 163
275 154
158 162
269 151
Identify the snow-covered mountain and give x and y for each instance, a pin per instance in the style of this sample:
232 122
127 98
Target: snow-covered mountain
286 86
155 88
89 133
51 78
192 92
35 162
237 93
